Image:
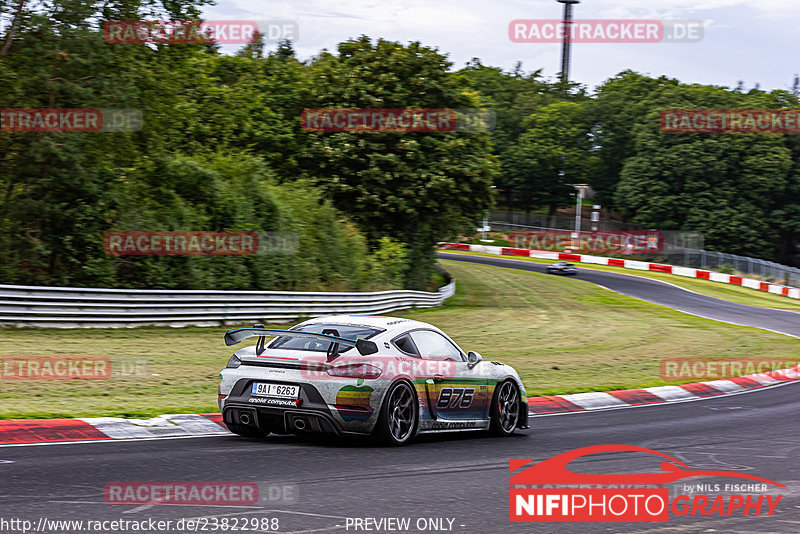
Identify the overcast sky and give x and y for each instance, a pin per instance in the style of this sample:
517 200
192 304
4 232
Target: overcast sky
749 40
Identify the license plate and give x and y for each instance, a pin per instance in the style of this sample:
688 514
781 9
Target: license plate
265 389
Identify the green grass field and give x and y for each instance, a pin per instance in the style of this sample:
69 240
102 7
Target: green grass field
561 336
742 295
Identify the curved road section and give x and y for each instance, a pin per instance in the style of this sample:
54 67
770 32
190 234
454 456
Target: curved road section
683 300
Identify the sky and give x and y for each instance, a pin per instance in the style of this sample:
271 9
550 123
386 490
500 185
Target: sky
748 40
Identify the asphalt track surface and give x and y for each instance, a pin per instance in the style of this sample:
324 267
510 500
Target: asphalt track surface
784 322
462 477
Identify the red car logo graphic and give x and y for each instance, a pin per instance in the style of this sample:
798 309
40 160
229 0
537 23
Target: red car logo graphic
554 470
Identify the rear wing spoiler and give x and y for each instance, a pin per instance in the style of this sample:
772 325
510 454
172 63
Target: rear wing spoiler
364 346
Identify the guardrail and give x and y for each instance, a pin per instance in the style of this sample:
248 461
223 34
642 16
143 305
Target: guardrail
72 307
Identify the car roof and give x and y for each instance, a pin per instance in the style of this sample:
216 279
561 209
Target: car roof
390 324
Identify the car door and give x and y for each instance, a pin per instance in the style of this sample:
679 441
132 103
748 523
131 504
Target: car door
455 391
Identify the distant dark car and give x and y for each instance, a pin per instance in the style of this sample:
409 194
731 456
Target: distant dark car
562 267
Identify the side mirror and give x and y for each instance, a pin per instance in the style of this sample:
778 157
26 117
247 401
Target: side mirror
473 359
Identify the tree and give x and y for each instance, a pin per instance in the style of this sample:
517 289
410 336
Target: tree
512 97
417 188
191 167
620 104
738 189
553 152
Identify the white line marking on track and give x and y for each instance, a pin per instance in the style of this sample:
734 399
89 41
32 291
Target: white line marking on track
696 293
720 321
141 508
669 284
668 403
531 414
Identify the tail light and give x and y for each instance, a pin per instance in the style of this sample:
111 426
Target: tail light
355 370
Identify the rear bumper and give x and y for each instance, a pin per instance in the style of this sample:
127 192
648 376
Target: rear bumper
282 416
282 420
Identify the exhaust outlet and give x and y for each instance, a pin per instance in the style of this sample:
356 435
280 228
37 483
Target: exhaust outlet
300 424
245 418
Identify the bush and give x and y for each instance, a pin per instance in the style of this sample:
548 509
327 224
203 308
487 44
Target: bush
725 268
221 193
388 264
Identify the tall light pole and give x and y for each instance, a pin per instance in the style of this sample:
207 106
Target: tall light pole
566 45
581 192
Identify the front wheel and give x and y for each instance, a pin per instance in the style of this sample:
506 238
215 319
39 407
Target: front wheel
505 409
399 414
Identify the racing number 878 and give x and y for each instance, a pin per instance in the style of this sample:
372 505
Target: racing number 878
455 397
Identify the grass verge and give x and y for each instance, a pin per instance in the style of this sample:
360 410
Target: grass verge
562 338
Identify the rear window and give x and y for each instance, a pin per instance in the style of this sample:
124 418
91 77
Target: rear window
405 344
344 330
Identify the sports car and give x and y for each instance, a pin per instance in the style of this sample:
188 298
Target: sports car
562 267
388 377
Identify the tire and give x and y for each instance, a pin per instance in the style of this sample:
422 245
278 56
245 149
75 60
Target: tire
399 417
246 431
505 409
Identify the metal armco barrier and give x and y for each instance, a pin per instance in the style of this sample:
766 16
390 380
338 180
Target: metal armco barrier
71 307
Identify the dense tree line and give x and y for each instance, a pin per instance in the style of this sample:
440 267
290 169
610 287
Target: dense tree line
741 190
222 149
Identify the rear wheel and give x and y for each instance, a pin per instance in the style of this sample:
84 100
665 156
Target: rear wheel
246 431
505 409
399 415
